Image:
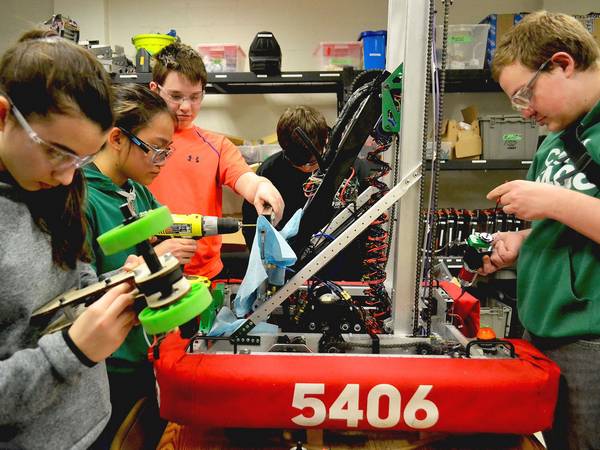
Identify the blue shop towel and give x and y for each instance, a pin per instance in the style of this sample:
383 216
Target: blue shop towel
275 252
226 323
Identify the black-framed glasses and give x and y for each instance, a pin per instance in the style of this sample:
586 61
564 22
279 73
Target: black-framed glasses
310 164
158 154
59 158
521 100
177 98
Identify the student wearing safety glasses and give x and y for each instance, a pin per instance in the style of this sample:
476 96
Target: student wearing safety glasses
549 66
138 146
55 113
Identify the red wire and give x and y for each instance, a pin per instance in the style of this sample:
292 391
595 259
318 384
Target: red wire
345 186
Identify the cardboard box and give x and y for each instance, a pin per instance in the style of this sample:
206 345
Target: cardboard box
499 25
467 142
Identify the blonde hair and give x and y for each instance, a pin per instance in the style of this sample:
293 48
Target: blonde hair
539 36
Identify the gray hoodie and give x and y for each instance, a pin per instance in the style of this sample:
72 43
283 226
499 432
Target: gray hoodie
48 398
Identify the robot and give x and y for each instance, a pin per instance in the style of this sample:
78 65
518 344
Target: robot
408 369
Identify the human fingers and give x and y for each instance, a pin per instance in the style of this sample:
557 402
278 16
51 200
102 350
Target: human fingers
111 294
132 262
121 305
499 256
487 266
188 244
498 191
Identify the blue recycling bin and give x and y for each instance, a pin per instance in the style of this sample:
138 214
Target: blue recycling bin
374 48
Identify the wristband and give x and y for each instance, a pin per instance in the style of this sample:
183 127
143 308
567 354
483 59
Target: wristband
76 351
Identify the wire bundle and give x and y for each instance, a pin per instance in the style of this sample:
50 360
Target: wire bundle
378 242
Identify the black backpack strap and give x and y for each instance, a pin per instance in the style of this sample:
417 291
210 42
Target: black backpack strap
577 152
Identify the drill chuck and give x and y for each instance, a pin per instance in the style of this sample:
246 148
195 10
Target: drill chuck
212 225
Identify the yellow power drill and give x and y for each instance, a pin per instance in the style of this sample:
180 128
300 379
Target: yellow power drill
195 226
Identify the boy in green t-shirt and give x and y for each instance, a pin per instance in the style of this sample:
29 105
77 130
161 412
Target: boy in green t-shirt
549 66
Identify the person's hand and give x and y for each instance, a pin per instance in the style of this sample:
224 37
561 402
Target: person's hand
103 326
268 198
505 251
181 248
527 200
132 262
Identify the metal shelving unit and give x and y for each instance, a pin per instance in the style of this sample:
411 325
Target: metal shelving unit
470 81
336 82
251 83
483 164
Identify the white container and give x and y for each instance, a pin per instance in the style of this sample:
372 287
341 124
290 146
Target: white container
466 46
496 315
258 153
222 57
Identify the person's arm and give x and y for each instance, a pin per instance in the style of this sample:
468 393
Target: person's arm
31 378
261 193
257 190
580 212
534 201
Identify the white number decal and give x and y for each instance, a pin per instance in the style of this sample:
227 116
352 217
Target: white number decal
301 401
373 413
346 406
418 402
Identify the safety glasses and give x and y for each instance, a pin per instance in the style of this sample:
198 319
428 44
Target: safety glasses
59 158
521 100
158 154
177 98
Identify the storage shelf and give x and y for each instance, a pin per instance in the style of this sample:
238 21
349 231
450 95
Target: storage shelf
251 83
470 81
482 164
302 82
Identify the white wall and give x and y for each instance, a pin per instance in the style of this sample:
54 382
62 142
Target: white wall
18 16
91 15
572 7
298 26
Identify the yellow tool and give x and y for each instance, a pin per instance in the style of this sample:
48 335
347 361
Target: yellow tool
196 226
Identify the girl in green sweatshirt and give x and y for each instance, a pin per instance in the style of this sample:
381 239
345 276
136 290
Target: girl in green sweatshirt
138 146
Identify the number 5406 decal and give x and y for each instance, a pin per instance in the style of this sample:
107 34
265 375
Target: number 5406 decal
346 406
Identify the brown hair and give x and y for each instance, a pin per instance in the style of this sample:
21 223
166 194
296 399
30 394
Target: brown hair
180 58
135 105
44 74
539 36
311 122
